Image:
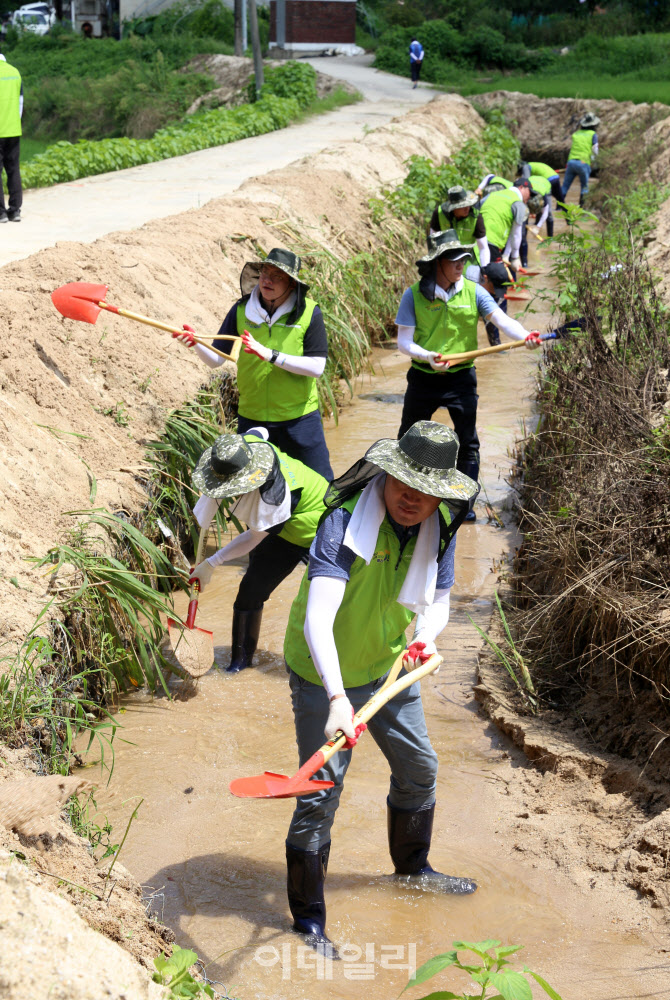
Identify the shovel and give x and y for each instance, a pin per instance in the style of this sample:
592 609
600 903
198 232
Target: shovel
83 301
192 647
279 786
456 359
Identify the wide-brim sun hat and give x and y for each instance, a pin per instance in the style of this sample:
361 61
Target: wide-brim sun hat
589 120
233 466
287 261
444 244
458 197
425 459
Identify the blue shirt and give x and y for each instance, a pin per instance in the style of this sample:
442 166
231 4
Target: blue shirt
329 556
415 52
407 316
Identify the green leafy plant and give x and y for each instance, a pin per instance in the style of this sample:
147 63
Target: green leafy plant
174 972
509 656
490 973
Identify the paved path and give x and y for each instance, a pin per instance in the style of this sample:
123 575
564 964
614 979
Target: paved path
87 209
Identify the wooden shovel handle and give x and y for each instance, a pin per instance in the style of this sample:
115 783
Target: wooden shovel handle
508 346
378 700
169 329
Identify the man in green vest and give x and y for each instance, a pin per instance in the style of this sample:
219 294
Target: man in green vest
460 213
11 111
281 501
383 554
438 316
582 151
536 168
504 214
285 351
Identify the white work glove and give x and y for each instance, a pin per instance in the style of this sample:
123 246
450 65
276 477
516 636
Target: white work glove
437 366
515 262
535 230
251 346
187 337
202 573
340 716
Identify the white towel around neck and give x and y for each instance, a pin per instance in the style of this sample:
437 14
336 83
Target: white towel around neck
418 590
256 313
251 509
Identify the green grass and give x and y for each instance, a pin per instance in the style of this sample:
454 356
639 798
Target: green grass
31 147
617 88
338 99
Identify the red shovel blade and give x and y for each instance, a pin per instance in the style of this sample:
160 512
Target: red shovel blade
274 786
79 300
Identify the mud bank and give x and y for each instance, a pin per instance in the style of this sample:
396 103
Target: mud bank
78 396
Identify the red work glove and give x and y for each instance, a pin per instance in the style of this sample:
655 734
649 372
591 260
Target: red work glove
186 338
360 728
252 346
533 340
414 654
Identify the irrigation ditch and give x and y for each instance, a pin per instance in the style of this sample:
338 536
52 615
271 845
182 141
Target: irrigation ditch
584 614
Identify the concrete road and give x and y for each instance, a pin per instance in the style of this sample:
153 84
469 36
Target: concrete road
87 209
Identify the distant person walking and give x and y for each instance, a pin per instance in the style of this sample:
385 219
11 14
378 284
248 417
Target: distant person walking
415 61
584 147
11 110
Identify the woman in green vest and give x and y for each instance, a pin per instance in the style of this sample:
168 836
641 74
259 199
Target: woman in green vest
439 315
460 213
584 147
281 501
285 351
384 553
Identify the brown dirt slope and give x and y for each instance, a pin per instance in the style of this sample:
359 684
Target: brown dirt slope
544 126
81 399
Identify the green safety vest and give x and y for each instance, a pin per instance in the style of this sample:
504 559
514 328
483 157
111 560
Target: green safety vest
465 228
370 625
300 529
498 182
266 391
447 327
541 169
539 184
582 145
498 216
10 94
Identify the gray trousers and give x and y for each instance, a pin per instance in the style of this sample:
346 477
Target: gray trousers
398 729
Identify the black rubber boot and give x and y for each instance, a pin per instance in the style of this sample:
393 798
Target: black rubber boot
410 833
582 198
550 228
470 469
305 876
246 629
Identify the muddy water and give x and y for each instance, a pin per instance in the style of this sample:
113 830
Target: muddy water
215 863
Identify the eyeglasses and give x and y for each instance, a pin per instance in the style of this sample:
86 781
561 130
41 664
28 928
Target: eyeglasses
273 274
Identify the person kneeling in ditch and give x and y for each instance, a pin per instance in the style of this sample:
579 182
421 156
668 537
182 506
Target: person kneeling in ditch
384 553
438 316
281 501
285 351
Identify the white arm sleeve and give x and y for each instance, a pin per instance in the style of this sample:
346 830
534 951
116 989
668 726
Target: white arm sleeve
507 324
545 212
239 546
484 252
433 621
594 147
484 181
209 357
514 241
407 346
301 366
323 602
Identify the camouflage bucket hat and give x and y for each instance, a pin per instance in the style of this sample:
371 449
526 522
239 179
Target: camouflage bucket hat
458 197
445 244
589 120
425 459
285 260
232 466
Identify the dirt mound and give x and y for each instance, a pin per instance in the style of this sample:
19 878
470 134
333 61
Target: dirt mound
232 75
544 126
29 805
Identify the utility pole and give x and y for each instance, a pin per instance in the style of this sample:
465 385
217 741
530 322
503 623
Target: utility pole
256 45
239 13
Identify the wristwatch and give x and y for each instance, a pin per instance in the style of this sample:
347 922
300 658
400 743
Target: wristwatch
273 357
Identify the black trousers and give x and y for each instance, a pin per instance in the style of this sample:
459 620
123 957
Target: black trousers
457 391
302 438
10 161
415 71
269 564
